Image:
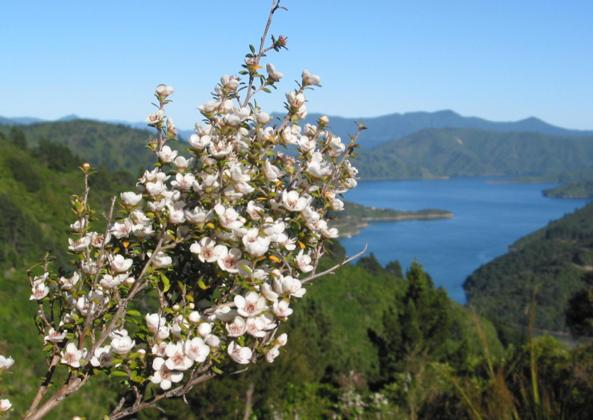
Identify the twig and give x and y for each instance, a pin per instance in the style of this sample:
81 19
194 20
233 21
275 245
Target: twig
335 267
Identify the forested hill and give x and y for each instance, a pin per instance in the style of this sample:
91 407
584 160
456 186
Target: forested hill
113 146
451 152
550 264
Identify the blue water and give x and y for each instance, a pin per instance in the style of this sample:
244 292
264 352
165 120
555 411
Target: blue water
489 215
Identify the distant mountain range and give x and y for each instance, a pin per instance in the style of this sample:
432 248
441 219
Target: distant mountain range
455 152
385 128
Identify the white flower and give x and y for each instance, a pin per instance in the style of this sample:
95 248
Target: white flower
317 167
79 225
119 264
310 79
236 328
293 201
156 118
71 355
204 329
5 405
182 163
166 154
295 99
272 354
282 309
54 336
254 210
122 229
163 91
101 356
155 189
154 322
161 260
184 182
6 362
199 142
254 244
241 355
194 317
262 117
109 282
196 349
289 286
260 325
271 172
229 261
207 250
251 305
79 245
131 198
273 74
177 359
39 290
163 375
197 215
304 262
121 342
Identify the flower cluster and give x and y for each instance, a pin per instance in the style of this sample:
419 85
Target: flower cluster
5 364
201 264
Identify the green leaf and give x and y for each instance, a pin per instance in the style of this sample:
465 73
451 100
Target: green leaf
202 285
166 282
119 373
252 48
134 312
217 370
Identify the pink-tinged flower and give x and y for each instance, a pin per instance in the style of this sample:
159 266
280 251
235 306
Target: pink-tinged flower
164 376
236 328
156 119
163 91
289 286
230 261
304 262
79 245
197 350
5 405
54 336
282 309
122 229
39 290
161 260
101 356
271 172
177 359
109 282
207 250
166 154
252 304
71 356
239 354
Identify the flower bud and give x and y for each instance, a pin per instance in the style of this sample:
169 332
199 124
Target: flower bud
163 91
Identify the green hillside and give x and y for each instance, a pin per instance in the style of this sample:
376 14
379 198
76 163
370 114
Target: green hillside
112 146
329 332
453 152
549 264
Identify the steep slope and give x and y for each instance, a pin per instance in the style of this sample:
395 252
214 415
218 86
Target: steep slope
451 152
109 145
549 264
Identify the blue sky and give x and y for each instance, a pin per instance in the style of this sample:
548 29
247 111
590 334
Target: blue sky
501 60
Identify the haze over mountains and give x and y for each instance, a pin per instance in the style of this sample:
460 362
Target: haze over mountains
415 145
384 128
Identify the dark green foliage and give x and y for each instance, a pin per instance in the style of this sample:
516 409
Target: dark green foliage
548 264
56 156
18 138
579 313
